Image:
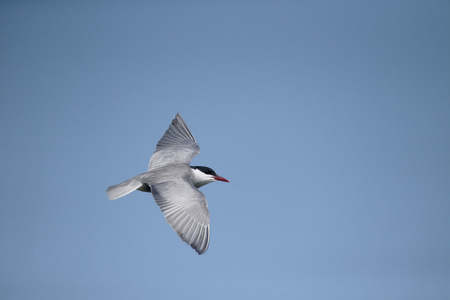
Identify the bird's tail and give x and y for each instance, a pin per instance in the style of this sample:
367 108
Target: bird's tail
124 188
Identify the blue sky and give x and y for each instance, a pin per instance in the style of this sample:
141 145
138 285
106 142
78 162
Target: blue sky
331 121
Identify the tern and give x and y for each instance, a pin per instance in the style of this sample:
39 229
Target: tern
174 185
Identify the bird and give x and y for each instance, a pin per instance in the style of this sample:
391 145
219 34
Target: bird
174 185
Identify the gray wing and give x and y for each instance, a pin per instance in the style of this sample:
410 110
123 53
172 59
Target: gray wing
184 207
177 146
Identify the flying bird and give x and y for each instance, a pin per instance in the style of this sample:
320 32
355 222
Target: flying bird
174 185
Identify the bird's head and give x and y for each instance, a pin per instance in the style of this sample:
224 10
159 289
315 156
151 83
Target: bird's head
204 175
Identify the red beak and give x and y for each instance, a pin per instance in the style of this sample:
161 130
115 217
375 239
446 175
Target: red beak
220 178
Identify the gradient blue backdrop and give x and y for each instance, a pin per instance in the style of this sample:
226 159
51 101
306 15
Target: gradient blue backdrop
330 119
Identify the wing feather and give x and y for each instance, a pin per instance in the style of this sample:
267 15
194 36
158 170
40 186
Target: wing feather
177 146
184 207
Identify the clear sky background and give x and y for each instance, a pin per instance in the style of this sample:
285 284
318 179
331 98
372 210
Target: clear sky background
331 119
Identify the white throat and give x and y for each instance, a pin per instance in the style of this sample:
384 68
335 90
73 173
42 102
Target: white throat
200 179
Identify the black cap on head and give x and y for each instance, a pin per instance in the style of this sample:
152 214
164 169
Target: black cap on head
205 170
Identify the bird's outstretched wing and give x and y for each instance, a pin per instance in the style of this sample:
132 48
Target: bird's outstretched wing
177 146
184 207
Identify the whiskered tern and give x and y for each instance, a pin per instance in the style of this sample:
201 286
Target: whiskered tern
174 185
